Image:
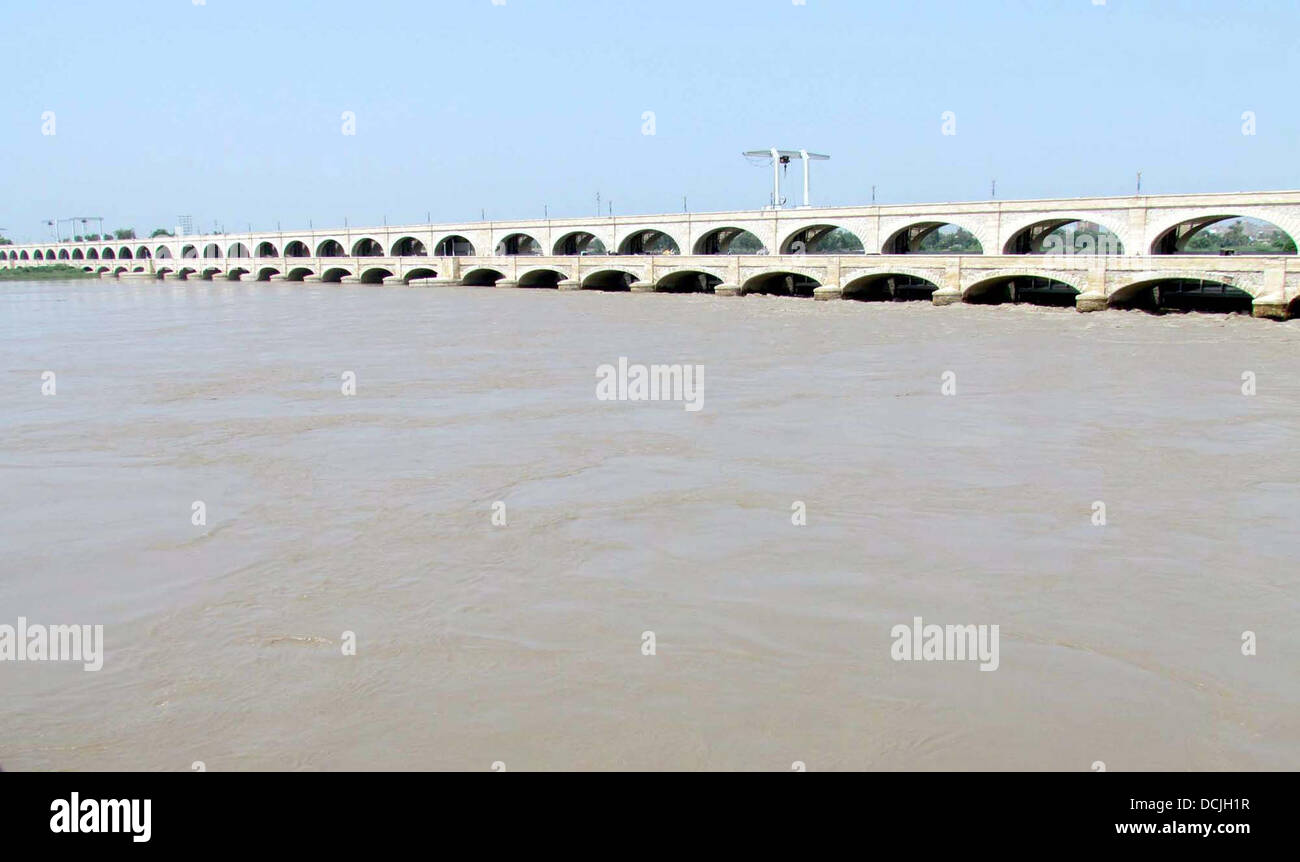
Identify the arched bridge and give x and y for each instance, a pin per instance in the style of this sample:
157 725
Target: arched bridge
874 252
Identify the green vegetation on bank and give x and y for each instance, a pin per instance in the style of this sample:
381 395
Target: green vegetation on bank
43 273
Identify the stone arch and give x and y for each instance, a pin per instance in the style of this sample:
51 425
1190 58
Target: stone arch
729 240
453 245
212 251
109 254
189 252
367 246
330 248
1027 235
38 255
92 254
297 248
908 239
143 253
610 280
409 246
1174 234
124 253
63 254
482 277
238 250
1014 286
782 283
185 272
121 269
518 244
77 254
298 273
419 273
1184 292
823 238
889 287
335 274
163 253
138 269
267 248
541 277
49 254
265 273
580 242
689 281
375 275
87 268
649 241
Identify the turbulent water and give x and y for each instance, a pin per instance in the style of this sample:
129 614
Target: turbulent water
523 644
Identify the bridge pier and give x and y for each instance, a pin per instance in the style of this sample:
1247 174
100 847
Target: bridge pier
278 278
350 279
569 284
434 282
1271 309
642 287
946 297
828 292
395 279
507 282
1086 302
727 290
313 279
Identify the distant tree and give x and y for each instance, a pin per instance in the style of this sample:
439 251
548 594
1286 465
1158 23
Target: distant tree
4 240
161 232
124 233
94 237
78 239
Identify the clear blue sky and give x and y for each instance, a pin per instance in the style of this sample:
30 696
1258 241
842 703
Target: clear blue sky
231 111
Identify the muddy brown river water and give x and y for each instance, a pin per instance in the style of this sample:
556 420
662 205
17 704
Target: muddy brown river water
523 644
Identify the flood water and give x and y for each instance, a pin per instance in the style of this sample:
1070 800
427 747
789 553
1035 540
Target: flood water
522 644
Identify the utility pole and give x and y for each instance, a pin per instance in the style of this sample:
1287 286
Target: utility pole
1139 191
994 193
780 160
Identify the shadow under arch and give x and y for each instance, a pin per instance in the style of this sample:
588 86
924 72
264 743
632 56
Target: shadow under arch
890 287
688 281
1164 295
1022 288
482 278
781 284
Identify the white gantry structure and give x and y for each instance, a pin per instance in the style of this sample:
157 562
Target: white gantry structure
871 252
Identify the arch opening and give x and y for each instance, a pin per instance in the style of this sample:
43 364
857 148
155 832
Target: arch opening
518 244
265 273
417 274
375 275
454 246
92 254
1065 237
212 251
77 255
580 243
124 253
107 255
1027 289
335 275
890 287
933 238
367 247
142 253
1181 295
409 246
239 250
610 280
63 254
189 252
823 239
163 253
267 249
330 248
298 274
542 278
729 240
688 281
1224 235
781 284
648 242
297 248
482 278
